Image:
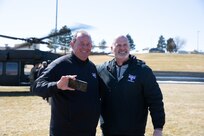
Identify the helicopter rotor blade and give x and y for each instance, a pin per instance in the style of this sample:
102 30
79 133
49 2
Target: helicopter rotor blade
80 26
56 34
65 31
33 40
29 43
14 38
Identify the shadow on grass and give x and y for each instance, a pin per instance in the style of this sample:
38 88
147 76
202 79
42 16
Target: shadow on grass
16 93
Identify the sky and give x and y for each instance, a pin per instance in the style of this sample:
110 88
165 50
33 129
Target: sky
144 20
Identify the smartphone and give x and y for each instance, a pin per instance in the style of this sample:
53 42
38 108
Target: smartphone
78 85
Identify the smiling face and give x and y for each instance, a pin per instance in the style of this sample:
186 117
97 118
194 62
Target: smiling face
82 45
121 49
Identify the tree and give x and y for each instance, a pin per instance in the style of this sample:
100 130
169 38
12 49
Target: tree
61 41
64 40
179 43
102 44
131 42
52 41
171 46
161 43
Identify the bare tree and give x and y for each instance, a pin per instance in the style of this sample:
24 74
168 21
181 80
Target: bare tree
179 42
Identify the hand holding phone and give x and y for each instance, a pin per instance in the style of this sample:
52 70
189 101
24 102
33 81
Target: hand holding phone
78 85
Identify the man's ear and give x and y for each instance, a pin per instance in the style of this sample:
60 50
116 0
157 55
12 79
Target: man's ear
72 44
111 48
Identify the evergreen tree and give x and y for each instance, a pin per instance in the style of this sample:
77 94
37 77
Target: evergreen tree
61 41
64 40
102 44
161 43
53 41
131 42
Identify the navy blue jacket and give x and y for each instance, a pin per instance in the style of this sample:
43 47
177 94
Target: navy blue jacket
73 113
125 103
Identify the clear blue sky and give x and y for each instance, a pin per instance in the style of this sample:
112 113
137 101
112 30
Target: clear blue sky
144 20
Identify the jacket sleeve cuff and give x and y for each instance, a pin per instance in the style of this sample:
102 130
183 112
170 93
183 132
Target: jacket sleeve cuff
53 87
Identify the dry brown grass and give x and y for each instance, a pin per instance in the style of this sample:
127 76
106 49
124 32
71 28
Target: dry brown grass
165 62
22 114
184 110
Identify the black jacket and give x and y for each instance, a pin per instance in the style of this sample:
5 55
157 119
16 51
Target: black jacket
125 103
73 113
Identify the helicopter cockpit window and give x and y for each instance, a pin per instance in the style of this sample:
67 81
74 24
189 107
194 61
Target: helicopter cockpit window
1 68
11 68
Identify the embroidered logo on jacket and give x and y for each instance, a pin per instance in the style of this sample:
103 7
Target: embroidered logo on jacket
131 78
94 75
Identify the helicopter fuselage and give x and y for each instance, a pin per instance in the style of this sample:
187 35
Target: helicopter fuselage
15 65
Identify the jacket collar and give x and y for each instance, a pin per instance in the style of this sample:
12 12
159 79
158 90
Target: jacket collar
77 60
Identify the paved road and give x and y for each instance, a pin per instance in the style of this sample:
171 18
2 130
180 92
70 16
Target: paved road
179 76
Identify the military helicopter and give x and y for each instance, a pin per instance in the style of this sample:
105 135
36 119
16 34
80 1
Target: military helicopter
15 64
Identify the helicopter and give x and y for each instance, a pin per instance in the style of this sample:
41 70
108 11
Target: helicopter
15 64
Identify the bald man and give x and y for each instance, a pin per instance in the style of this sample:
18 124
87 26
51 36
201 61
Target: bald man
129 90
